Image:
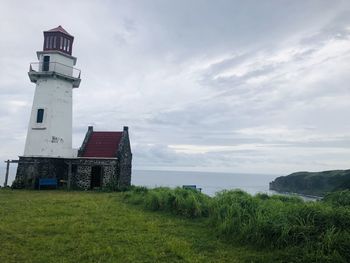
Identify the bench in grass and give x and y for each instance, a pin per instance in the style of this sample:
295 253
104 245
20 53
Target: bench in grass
47 182
192 186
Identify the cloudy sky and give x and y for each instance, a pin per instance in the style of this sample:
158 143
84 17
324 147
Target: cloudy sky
234 86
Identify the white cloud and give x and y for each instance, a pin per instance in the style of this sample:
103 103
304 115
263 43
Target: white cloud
243 87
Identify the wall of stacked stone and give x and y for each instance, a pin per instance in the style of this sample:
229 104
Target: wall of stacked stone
108 174
31 169
125 172
125 159
114 171
82 178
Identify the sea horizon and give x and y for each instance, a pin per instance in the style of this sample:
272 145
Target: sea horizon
209 182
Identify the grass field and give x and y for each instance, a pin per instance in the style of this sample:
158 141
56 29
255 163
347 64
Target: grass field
58 226
305 231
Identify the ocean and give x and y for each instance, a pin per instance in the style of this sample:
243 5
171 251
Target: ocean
208 181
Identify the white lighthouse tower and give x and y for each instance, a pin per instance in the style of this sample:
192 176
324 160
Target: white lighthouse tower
50 126
104 158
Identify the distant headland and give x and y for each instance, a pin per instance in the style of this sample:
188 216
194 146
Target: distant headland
312 183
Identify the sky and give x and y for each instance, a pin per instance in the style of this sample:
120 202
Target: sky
224 86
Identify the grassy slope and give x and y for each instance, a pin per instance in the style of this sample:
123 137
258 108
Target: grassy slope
57 226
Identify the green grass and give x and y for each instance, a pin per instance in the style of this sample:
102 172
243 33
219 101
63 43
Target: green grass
58 226
318 231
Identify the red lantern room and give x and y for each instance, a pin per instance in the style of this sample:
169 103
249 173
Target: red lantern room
58 39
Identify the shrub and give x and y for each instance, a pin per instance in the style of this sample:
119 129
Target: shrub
340 198
185 202
283 222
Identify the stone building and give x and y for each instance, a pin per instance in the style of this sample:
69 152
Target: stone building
103 160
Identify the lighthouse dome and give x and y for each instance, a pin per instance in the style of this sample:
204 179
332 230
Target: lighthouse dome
58 39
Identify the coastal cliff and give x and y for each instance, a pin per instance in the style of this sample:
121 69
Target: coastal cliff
312 183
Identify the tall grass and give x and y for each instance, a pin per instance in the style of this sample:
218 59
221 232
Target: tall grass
319 229
340 198
184 202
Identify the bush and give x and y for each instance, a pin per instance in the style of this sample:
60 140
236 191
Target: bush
185 202
283 222
340 198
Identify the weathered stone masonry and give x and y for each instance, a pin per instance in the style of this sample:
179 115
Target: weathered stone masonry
82 179
30 169
77 173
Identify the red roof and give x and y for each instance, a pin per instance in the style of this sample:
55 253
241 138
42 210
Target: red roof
102 144
59 29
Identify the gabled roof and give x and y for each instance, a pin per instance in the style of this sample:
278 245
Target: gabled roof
59 29
102 144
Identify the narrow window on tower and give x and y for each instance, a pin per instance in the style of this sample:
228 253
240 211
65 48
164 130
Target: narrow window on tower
46 63
68 44
61 42
40 116
54 42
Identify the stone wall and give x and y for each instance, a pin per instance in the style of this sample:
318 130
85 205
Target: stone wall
115 172
86 139
82 178
31 169
125 159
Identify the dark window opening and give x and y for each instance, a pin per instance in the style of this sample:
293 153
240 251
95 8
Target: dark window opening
46 63
96 176
40 116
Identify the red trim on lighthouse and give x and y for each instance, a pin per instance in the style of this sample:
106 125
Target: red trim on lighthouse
58 39
59 29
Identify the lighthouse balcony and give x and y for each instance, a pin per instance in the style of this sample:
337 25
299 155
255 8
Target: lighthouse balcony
39 70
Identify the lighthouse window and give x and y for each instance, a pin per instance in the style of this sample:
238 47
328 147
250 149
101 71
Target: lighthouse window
47 42
68 45
54 42
65 44
46 63
40 116
61 42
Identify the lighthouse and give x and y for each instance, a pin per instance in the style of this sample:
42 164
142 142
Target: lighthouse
104 159
50 125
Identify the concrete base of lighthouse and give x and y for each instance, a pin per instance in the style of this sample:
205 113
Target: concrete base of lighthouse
71 173
31 169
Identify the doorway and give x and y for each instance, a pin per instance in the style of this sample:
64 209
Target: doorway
96 176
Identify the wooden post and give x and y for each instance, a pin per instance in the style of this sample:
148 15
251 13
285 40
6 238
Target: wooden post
7 172
69 175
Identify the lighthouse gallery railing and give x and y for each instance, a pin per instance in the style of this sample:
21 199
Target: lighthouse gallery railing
56 67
